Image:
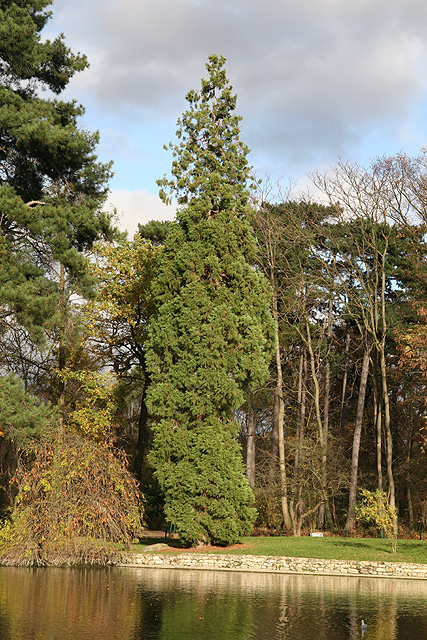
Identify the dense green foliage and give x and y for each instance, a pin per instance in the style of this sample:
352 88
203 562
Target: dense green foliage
51 185
72 496
23 417
210 168
209 339
183 321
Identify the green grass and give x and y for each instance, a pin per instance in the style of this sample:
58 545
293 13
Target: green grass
329 548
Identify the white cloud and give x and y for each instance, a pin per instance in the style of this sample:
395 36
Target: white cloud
137 207
315 78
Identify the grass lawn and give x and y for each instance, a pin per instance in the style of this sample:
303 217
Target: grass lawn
335 548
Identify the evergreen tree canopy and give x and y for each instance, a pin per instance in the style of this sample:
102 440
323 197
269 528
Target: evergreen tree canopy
23 417
51 185
209 339
210 166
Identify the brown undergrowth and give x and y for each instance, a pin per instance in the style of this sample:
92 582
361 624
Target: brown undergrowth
77 503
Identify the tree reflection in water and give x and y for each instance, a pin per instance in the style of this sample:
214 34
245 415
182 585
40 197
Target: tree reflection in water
148 604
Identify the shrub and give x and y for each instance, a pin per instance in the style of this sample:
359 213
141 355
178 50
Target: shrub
374 508
77 503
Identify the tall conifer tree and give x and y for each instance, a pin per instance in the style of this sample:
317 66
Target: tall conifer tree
210 339
51 184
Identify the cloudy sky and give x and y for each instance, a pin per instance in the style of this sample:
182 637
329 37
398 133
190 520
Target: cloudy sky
316 80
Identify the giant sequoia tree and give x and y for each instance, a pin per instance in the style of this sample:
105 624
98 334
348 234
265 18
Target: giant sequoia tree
209 340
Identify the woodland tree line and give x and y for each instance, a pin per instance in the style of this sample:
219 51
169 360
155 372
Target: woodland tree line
254 363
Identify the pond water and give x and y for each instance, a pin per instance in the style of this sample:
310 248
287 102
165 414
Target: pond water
148 604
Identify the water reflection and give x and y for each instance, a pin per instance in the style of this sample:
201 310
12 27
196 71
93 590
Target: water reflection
150 604
65 603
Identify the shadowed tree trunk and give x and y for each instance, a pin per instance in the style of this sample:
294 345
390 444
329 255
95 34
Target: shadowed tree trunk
408 488
143 436
274 450
344 384
302 401
250 448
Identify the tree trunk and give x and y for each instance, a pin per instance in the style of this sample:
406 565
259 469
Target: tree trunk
408 488
377 422
327 377
274 450
322 439
344 385
356 441
325 506
410 507
250 448
297 518
316 389
143 436
280 421
302 402
384 388
389 440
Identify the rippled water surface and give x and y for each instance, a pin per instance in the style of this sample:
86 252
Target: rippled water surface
145 604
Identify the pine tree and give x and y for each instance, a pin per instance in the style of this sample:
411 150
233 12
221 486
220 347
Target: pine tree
209 341
51 185
22 416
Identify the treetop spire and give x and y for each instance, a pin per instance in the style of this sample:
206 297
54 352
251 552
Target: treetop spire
210 170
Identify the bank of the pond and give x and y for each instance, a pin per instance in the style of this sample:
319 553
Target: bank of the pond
278 564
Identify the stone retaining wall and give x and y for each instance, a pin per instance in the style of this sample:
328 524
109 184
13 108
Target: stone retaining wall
278 564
